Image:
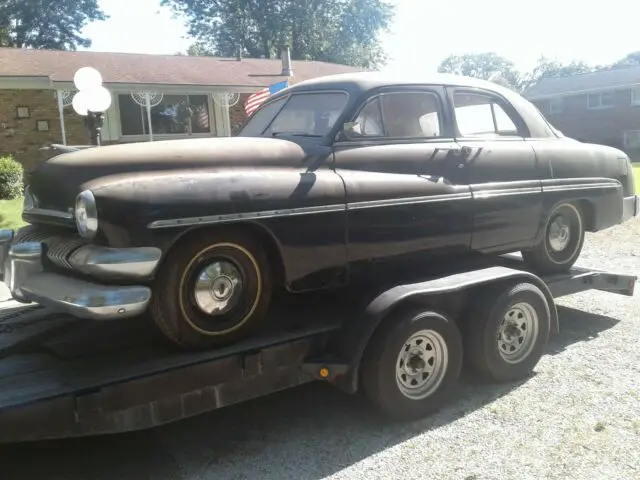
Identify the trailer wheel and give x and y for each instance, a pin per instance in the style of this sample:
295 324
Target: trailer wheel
212 290
562 243
412 363
507 331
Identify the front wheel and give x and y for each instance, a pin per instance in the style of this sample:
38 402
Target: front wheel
562 242
412 363
212 290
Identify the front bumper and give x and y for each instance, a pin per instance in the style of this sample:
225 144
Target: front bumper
630 207
22 269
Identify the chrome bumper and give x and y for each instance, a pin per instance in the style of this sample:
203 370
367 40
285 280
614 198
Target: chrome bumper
22 270
630 207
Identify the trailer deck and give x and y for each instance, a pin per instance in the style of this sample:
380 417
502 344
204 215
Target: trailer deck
62 377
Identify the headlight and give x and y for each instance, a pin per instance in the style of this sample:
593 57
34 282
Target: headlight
86 214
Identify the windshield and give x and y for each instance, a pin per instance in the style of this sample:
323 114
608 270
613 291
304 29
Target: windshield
303 114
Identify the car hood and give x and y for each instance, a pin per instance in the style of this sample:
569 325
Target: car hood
57 182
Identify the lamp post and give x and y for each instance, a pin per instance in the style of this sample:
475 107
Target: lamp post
91 101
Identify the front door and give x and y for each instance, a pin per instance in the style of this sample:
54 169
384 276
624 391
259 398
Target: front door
501 168
404 189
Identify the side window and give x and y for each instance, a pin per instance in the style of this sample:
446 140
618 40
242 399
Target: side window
478 114
401 115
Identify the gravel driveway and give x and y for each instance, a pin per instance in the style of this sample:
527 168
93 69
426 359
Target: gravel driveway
578 417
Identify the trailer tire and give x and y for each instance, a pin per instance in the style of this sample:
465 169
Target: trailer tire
507 331
428 339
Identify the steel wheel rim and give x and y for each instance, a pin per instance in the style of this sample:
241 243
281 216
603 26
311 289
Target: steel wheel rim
421 364
517 332
218 287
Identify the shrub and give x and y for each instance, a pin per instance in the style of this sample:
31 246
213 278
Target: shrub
11 178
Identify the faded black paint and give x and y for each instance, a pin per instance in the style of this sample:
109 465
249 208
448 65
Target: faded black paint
475 195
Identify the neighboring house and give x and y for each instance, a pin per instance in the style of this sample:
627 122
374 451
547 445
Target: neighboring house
600 107
31 80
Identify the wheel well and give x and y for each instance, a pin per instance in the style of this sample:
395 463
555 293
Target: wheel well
588 212
265 238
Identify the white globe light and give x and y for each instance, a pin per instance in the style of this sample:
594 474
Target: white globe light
87 78
80 103
99 99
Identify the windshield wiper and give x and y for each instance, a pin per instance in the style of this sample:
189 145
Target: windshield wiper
275 134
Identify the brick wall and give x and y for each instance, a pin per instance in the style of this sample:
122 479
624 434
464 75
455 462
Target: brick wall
20 137
237 116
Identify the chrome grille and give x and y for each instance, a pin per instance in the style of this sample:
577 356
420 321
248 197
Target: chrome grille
59 252
59 245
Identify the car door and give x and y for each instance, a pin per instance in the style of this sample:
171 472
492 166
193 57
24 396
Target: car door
402 193
501 168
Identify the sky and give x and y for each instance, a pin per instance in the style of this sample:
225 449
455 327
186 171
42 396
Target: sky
424 32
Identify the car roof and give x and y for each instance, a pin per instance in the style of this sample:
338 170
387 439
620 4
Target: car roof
367 80
360 82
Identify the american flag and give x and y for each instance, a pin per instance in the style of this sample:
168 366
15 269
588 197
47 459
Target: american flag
255 100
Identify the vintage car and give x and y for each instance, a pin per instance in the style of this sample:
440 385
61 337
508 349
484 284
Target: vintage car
327 175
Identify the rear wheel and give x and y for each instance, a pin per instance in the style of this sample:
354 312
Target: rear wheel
212 290
562 242
412 364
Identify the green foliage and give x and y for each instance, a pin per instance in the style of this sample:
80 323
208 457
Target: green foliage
50 24
481 65
338 31
485 65
11 179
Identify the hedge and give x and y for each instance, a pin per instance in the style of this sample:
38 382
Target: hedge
11 178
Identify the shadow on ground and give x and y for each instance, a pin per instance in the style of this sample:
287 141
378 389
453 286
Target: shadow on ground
304 433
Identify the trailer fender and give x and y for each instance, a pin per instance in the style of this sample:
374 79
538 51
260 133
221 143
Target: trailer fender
354 336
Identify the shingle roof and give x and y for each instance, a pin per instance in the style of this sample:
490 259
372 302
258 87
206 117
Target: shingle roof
129 68
584 82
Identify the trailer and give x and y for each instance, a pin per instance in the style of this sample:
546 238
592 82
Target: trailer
400 339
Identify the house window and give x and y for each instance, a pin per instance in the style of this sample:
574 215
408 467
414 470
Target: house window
178 115
555 105
635 96
631 139
481 115
600 100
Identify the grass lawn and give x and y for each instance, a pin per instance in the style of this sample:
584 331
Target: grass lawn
11 213
636 176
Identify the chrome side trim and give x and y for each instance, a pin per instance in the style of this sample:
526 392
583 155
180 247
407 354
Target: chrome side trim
582 186
104 262
396 202
47 212
235 217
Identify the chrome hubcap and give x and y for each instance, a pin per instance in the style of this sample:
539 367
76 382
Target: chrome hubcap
218 287
421 364
517 333
559 234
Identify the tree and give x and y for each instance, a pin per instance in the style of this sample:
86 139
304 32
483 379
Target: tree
51 24
481 65
340 31
547 68
630 60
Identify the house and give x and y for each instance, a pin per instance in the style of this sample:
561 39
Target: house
191 95
599 107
